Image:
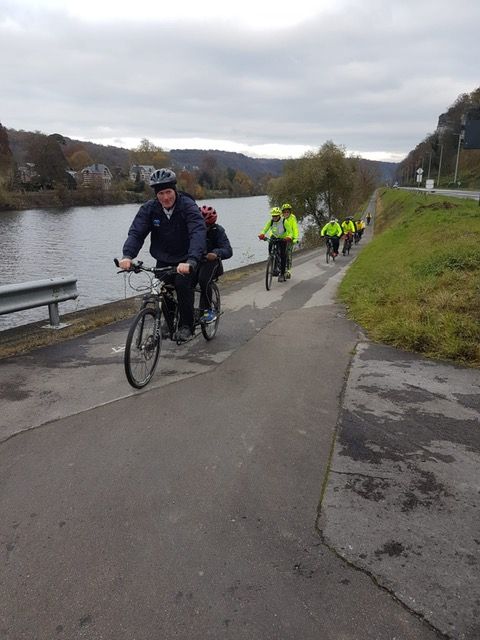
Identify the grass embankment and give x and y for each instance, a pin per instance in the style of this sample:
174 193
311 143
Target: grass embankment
416 286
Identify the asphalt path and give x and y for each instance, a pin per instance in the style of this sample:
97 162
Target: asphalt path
225 499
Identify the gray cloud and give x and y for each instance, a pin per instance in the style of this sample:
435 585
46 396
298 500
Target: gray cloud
373 77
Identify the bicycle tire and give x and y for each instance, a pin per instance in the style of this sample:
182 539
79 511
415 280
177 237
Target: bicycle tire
142 348
269 273
209 330
327 254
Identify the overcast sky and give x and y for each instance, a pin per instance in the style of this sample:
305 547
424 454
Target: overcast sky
268 79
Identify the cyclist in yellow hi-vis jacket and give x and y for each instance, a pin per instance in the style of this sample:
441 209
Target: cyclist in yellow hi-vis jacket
291 226
360 227
277 229
333 231
348 228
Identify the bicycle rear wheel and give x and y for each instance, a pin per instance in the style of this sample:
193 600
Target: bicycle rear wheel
209 330
142 348
269 273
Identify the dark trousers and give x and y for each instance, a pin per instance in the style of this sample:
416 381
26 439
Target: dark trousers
207 273
184 287
335 240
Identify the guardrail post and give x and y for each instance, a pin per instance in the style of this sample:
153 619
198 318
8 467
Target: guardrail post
54 315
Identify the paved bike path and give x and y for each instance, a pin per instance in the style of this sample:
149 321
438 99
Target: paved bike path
188 511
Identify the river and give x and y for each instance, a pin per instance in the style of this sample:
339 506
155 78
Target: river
82 241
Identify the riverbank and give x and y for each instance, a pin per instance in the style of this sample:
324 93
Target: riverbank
61 198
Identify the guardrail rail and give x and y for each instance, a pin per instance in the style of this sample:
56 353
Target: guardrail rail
39 293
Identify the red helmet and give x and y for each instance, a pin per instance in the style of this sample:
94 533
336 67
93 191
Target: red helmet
209 214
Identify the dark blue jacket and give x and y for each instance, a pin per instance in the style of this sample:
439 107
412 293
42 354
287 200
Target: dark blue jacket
180 239
218 242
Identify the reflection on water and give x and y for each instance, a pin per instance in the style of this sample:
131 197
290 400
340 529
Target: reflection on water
82 242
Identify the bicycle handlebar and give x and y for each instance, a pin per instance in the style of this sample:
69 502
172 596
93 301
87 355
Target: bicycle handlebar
137 267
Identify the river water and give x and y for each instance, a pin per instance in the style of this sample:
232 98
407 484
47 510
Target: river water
82 241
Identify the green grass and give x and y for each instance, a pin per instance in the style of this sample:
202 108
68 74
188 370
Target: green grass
416 286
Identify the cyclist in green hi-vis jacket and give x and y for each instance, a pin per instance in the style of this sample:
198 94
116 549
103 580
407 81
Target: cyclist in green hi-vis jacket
334 231
291 226
277 229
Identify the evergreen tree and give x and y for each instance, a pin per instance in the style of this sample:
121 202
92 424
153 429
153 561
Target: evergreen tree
50 164
7 163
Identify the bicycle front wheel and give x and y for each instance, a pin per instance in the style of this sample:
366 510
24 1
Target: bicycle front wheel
269 273
209 330
142 348
327 254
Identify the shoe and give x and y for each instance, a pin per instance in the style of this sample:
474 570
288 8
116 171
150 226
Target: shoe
288 275
208 316
183 334
281 278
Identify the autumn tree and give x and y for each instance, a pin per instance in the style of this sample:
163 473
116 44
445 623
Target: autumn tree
187 182
148 153
319 184
79 159
242 185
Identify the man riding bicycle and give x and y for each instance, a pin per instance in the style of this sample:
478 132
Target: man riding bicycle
348 228
177 238
333 231
275 229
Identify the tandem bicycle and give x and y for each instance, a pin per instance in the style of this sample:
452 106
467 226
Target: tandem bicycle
157 320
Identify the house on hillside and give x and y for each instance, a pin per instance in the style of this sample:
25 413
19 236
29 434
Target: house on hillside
141 172
27 173
97 174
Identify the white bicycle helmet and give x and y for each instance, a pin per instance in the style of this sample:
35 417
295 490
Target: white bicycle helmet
163 179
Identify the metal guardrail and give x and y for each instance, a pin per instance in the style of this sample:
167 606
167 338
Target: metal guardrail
38 293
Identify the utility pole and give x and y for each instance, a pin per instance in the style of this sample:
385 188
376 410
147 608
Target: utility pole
460 138
440 165
429 164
